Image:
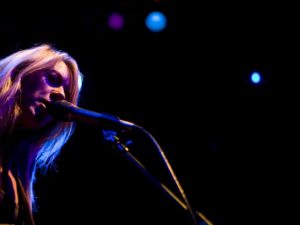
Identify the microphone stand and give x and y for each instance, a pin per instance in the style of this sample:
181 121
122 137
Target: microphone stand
199 220
66 111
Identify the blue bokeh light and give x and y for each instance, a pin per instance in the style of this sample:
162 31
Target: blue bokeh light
255 77
156 21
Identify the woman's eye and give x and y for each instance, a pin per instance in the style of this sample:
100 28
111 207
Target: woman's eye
54 78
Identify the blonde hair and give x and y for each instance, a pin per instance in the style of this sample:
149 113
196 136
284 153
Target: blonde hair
13 69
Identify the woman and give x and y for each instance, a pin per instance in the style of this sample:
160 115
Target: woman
29 137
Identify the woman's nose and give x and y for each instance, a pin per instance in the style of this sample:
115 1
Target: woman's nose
57 94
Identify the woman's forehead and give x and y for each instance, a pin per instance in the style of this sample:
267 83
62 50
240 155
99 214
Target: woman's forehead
62 69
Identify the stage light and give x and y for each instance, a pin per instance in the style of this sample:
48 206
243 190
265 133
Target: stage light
255 77
115 21
156 21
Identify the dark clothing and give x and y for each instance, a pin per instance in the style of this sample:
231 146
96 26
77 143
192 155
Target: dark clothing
10 213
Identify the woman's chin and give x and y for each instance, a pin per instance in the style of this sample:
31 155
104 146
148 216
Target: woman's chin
36 122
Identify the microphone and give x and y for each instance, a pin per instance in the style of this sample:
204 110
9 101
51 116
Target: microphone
66 111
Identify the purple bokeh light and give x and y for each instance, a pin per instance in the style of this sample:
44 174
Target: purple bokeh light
115 21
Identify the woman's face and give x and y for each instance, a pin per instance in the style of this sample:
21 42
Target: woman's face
40 87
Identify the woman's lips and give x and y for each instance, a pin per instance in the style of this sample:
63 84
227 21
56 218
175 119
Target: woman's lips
41 111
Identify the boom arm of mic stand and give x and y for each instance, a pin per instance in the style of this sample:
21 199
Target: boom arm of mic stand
124 149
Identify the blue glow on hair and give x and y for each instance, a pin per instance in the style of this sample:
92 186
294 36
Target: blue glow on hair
80 81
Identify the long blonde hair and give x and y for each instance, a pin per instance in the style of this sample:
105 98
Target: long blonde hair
13 69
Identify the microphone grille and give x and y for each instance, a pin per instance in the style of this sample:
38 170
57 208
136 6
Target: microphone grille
59 109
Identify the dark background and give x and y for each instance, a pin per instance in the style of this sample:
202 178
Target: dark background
232 145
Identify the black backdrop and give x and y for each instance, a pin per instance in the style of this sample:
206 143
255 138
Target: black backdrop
232 145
